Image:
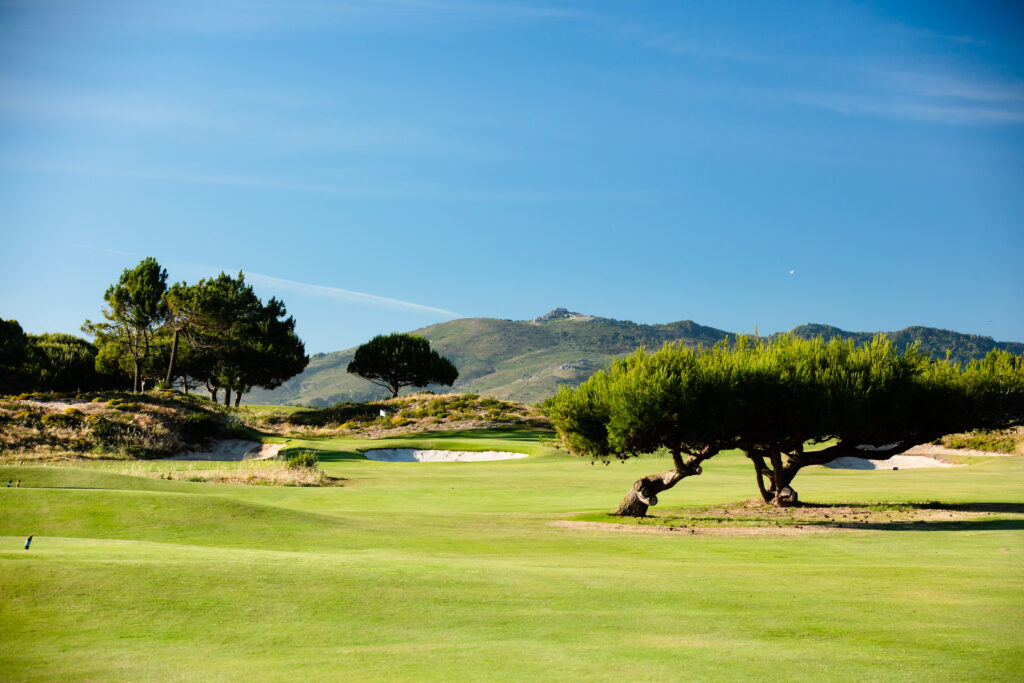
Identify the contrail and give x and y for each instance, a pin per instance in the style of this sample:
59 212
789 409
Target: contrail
349 295
306 288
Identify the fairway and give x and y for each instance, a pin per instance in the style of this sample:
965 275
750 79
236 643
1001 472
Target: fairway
454 570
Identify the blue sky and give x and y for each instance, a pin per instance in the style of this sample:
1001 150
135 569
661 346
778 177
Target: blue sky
384 165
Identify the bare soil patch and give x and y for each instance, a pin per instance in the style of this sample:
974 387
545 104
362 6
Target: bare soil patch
686 530
753 518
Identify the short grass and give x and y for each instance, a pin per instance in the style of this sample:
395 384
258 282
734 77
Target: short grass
426 571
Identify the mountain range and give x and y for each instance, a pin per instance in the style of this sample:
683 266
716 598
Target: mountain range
528 360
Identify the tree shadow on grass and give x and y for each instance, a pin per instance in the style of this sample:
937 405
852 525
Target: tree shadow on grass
1013 508
928 525
932 520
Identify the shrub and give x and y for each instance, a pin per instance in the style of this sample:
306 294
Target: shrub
198 426
996 441
302 459
67 420
236 428
123 405
137 451
79 444
108 433
27 418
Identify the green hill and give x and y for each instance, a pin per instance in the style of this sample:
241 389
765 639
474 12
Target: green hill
528 360
517 360
933 341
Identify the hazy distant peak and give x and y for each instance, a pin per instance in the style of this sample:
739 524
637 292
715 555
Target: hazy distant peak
559 314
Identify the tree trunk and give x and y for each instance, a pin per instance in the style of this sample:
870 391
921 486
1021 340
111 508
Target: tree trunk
227 396
174 352
238 398
394 391
138 370
213 393
646 489
645 493
781 478
761 471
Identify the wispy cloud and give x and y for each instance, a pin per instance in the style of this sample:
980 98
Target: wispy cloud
305 288
908 74
930 84
258 16
891 106
349 295
283 123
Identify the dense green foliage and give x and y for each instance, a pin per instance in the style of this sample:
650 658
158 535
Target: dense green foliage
227 338
401 360
65 363
13 355
771 397
48 363
216 332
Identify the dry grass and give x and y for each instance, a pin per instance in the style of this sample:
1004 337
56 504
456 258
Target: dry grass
248 472
405 415
60 429
998 441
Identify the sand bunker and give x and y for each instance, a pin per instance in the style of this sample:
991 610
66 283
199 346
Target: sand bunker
932 449
234 450
415 455
896 462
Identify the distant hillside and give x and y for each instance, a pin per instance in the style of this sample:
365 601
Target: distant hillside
933 341
517 360
528 360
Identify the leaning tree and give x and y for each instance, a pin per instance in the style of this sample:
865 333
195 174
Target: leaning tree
773 399
401 360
